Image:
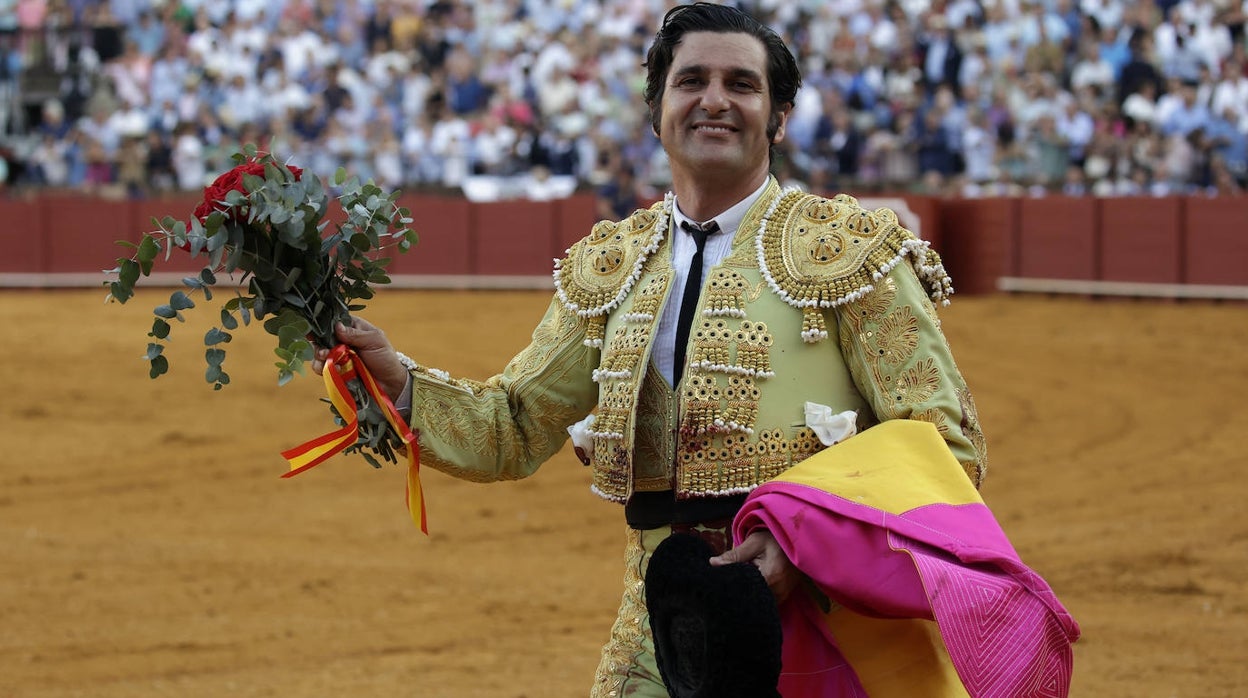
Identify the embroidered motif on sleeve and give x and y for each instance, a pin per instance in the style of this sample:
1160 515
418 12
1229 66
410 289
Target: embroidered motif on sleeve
917 383
897 337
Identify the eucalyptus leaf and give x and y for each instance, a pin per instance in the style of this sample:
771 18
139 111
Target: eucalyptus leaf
216 336
159 367
129 274
160 329
214 357
180 301
120 291
218 239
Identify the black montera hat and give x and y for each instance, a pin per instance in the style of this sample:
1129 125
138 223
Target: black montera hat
716 629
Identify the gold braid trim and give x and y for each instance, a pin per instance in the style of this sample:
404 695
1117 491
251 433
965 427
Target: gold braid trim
820 253
601 269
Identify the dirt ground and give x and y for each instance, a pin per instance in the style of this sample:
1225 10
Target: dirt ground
148 546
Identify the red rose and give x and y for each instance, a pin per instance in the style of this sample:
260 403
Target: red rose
215 193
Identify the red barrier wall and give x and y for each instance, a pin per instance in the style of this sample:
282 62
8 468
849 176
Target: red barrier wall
979 242
1057 238
24 238
444 225
1139 239
1215 241
514 237
84 232
1142 240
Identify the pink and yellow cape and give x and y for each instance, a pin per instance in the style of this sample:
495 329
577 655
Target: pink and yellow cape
928 597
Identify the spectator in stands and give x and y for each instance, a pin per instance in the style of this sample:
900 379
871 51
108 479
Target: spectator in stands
189 166
1048 153
49 162
1091 70
979 148
1230 96
1229 143
1188 115
839 145
1075 126
160 172
1141 105
619 196
1140 69
934 149
942 57
492 146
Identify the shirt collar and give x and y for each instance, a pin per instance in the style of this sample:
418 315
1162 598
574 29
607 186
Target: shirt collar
730 219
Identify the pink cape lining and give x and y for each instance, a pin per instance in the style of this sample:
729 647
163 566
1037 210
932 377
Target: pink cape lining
1005 630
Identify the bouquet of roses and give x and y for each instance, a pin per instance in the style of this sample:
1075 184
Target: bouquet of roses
264 225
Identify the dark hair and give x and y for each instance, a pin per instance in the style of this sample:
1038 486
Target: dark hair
783 75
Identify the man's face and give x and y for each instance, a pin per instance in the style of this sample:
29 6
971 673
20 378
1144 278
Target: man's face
716 105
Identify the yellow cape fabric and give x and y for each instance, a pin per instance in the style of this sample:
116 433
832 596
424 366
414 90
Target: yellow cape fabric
894 467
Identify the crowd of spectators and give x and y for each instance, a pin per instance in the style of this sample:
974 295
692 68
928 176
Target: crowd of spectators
947 97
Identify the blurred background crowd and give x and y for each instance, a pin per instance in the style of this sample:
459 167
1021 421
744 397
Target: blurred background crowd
942 97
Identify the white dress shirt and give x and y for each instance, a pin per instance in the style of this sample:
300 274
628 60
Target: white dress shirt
683 248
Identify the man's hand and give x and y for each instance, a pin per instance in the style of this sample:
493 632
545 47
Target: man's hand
374 349
761 548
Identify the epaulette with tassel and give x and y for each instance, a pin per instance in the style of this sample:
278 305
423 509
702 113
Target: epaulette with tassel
818 253
601 269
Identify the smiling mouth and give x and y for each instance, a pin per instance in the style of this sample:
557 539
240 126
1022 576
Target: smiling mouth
714 129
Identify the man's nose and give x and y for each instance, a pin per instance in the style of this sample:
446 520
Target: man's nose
715 97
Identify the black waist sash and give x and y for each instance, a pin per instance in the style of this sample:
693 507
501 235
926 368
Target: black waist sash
647 510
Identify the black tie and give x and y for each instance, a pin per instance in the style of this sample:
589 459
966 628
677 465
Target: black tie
693 288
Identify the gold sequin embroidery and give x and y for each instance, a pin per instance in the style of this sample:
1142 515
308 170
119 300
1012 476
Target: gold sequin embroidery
817 253
600 270
725 294
917 383
628 633
897 337
976 470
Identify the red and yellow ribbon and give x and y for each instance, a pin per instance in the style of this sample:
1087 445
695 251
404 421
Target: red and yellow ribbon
342 365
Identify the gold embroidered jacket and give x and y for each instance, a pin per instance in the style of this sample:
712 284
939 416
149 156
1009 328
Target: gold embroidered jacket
819 301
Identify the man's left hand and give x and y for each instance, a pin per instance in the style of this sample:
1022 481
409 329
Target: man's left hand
761 549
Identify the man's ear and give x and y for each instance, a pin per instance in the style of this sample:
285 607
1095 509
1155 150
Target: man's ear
782 118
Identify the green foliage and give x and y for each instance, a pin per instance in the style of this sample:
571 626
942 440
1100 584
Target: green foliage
302 275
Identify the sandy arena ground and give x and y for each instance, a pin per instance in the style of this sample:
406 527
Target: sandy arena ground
149 547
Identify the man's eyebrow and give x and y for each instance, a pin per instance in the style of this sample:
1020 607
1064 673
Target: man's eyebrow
699 69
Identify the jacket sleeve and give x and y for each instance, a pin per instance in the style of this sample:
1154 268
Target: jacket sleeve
505 427
902 365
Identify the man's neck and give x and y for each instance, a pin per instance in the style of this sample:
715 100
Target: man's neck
702 200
